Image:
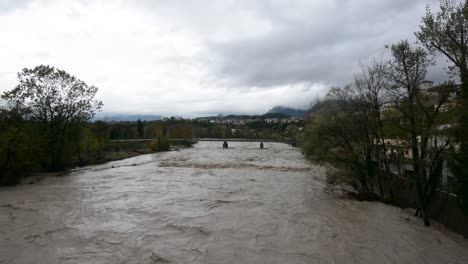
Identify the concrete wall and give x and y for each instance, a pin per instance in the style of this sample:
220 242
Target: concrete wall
444 207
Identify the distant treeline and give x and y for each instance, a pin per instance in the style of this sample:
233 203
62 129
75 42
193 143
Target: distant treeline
46 126
257 129
176 128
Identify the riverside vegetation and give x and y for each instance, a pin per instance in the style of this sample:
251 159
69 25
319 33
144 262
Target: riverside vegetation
389 122
47 125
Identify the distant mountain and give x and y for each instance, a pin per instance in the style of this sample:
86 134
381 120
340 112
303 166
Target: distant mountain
287 111
125 117
275 115
244 117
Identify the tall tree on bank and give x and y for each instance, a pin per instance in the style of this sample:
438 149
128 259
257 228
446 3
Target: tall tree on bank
419 114
55 99
340 133
446 32
371 89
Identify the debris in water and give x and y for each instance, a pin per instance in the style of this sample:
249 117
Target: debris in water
158 259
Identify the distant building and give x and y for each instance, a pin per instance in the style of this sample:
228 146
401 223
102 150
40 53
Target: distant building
424 85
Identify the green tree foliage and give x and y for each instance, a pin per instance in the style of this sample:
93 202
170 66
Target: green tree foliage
446 32
93 140
18 146
140 128
154 145
54 99
163 143
182 131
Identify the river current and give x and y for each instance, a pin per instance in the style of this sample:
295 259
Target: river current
210 205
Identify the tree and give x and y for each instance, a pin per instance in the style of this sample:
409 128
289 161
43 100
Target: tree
100 133
18 152
140 128
446 32
419 113
348 131
371 89
55 99
340 134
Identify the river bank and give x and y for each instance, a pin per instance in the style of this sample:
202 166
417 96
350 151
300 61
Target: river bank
108 156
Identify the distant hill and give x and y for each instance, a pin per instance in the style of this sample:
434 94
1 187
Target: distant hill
125 117
275 115
287 110
244 117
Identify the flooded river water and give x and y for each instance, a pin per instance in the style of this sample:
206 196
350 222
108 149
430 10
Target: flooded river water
210 205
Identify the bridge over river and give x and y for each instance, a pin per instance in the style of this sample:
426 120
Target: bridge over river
213 139
207 204
196 140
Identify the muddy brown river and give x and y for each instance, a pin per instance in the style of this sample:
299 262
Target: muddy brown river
210 205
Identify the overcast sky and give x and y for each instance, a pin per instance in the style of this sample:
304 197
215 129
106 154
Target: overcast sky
200 57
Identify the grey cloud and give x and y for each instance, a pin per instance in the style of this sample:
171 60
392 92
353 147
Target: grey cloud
211 56
10 5
441 72
310 41
319 46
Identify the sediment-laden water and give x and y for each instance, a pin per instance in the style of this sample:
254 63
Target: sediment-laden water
210 205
